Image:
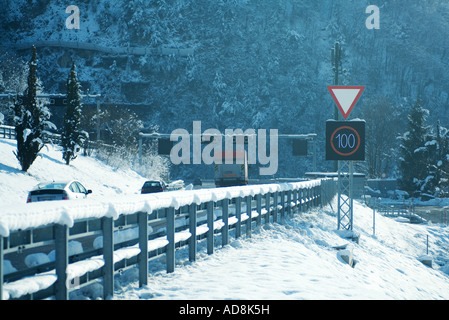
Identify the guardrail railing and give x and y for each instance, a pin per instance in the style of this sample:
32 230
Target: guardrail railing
52 248
7 132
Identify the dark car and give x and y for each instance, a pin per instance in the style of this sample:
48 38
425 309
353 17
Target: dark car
198 182
153 186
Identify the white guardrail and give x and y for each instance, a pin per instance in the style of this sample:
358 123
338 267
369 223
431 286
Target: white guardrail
48 249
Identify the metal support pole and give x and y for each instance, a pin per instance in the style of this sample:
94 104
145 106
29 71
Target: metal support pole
210 226
192 227
259 209
170 249
336 55
143 246
267 207
61 261
108 256
238 213
248 212
1 268
225 219
275 206
295 200
283 206
345 194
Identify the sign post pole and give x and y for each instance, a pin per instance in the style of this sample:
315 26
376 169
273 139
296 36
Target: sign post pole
345 195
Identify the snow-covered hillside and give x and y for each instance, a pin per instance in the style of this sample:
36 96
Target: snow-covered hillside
95 175
294 260
255 64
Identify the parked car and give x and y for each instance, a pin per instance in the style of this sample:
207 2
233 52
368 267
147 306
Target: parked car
198 182
58 190
153 186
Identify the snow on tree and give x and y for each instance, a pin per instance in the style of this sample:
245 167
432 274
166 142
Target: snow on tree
437 180
72 136
31 118
413 160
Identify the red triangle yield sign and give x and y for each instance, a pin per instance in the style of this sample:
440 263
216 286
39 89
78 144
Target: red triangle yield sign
346 97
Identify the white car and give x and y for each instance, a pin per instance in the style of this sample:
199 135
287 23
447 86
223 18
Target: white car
58 190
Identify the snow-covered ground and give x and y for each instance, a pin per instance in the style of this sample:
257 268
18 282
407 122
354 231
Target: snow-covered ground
93 174
294 260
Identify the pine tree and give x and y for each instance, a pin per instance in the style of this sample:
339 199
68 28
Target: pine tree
414 154
72 137
437 181
31 118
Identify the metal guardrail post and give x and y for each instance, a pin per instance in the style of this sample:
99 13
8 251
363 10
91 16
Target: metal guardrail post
318 195
248 212
295 200
307 195
170 251
61 261
108 256
143 246
210 226
289 203
259 209
238 213
192 227
1 268
322 192
283 206
267 207
275 206
225 218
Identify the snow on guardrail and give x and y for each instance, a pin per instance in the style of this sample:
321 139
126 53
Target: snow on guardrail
33 215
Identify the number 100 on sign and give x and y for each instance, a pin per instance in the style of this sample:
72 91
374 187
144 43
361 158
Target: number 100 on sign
345 140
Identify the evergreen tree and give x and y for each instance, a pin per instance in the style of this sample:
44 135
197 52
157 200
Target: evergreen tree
72 137
414 154
31 118
437 180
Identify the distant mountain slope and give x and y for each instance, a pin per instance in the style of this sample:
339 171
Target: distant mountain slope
256 64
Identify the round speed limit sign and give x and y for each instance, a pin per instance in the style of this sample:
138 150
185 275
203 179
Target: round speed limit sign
345 140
